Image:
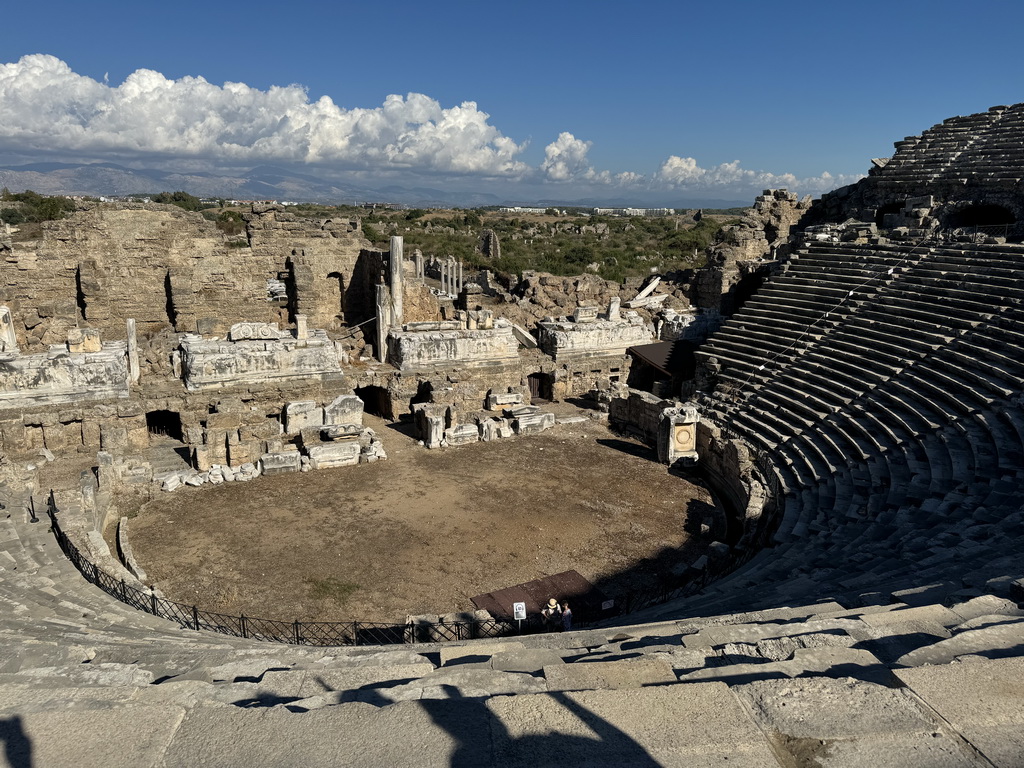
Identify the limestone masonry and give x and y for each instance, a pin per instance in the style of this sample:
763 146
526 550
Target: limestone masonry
844 374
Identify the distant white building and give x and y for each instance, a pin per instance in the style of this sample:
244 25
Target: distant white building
634 211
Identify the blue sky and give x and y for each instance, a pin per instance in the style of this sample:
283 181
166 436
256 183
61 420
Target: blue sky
653 100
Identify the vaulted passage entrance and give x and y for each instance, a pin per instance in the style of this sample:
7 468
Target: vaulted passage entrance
981 216
164 424
376 401
540 387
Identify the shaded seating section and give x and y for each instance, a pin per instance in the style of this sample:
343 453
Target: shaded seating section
885 383
85 680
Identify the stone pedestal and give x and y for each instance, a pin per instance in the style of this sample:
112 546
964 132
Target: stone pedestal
430 423
345 409
677 435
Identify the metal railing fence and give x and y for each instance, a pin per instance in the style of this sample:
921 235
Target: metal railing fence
312 633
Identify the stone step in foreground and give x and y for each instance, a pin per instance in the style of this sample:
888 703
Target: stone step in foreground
967 714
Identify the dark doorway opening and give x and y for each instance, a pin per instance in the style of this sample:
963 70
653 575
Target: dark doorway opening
885 210
376 401
164 424
984 215
424 394
336 282
742 292
540 387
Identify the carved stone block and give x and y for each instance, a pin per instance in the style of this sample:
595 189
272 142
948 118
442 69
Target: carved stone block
346 409
280 463
302 414
343 453
243 331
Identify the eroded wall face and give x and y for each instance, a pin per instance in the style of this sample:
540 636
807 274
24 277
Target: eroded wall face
166 267
324 261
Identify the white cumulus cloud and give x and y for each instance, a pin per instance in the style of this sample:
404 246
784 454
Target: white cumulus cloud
684 173
565 159
45 106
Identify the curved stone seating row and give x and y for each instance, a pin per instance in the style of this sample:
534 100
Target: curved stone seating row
977 148
905 447
665 692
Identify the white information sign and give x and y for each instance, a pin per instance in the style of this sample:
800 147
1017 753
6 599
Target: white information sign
519 611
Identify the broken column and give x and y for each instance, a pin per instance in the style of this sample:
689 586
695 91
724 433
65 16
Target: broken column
8 341
383 303
613 309
133 352
430 421
397 281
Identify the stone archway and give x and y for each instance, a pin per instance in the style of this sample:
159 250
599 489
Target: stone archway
376 401
335 299
165 424
980 215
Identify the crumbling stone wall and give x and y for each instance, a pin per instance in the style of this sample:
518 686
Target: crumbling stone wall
761 236
464 392
172 269
106 263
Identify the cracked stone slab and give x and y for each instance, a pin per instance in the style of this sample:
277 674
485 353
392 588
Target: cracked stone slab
100 738
347 735
982 699
454 682
529 660
935 614
475 652
613 675
999 640
753 633
853 724
22 698
770 616
696 726
986 605
326 680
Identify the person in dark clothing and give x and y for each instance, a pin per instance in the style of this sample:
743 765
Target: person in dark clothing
552 615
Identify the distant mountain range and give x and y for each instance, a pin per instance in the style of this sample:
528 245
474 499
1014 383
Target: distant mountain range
268 182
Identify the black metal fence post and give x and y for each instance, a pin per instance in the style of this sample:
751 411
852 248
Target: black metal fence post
195 618
241 624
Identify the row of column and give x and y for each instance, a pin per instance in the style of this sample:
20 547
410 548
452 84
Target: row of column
451 277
